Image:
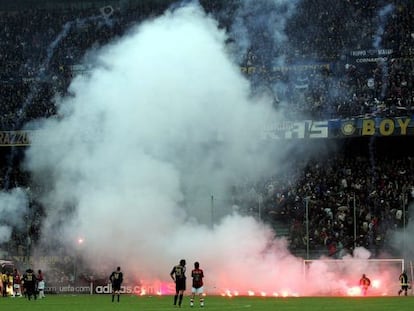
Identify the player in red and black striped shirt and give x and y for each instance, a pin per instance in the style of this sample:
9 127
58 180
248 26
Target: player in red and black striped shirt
197 288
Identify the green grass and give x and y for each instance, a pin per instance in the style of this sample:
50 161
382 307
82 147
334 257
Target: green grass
213 303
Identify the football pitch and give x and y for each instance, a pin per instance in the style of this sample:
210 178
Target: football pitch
212 303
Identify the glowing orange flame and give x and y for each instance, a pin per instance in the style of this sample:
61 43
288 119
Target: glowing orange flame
354 291
229 293
376 284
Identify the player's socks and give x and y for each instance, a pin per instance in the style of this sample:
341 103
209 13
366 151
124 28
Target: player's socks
180 300
118 297
201 302
113 297
191 302
175 299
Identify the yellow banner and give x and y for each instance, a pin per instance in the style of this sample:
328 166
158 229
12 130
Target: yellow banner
14 138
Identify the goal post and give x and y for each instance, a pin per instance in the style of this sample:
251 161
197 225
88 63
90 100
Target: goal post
340 277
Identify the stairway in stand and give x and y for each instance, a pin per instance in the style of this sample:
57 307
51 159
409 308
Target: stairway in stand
281 228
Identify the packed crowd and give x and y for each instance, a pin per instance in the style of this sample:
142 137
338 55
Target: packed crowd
41 51
325 78
337 203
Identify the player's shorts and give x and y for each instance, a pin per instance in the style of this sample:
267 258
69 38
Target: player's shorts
198 290
16 286
41 285
116 287
180 284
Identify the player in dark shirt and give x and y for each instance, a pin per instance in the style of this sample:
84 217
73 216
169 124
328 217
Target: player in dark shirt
116 279
404 283
197 288
29 283
178 275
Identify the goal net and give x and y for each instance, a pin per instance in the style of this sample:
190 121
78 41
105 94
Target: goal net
340 277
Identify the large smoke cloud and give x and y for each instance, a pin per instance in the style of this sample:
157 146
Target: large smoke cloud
13 209
163 122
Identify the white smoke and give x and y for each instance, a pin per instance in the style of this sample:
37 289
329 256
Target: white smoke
13 209
401 238
164 121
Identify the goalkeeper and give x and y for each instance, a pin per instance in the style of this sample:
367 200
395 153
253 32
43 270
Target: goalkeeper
404 283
